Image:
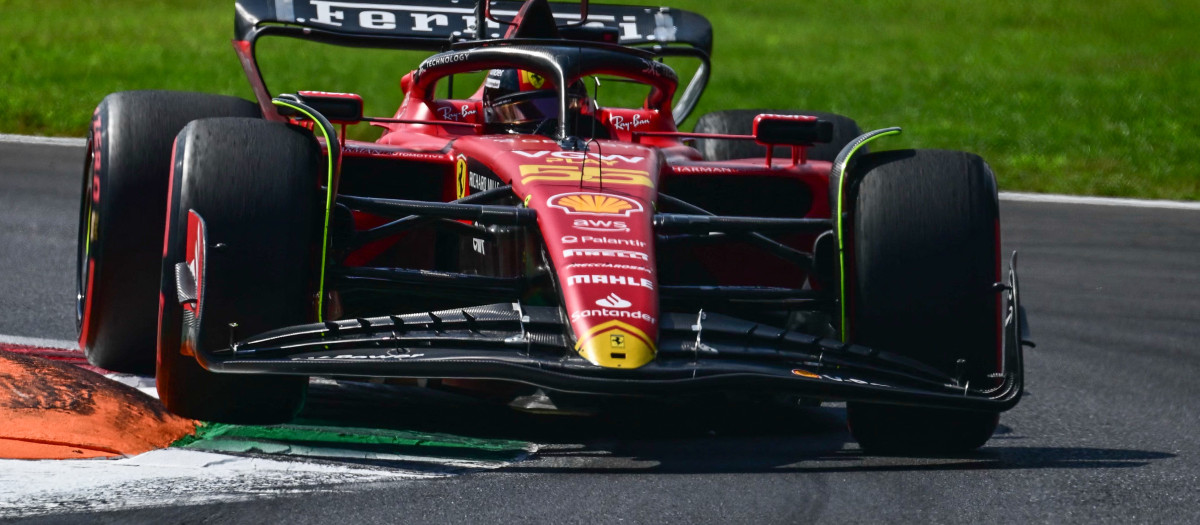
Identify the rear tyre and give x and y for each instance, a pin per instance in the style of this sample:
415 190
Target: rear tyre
253 184
741 122
121 219
923 255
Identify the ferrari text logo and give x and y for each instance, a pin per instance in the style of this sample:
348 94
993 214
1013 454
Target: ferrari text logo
443 18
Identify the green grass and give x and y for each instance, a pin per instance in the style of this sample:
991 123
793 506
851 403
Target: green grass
1072 96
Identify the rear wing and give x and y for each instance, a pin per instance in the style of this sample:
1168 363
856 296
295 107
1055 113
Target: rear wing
433 25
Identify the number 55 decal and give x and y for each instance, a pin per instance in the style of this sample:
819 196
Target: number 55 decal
539 172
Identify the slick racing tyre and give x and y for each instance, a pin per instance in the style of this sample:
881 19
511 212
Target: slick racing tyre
923 256
121 212
741 122
238 261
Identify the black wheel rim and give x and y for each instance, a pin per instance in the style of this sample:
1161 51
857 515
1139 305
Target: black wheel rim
87 233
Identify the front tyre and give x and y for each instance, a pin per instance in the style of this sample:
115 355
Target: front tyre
922 260
121 218
243 224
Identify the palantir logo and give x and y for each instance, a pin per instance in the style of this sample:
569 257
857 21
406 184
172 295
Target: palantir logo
613 301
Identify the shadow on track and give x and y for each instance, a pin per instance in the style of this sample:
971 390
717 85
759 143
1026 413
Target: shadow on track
684 438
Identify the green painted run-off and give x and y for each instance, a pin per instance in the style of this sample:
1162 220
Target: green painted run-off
312 440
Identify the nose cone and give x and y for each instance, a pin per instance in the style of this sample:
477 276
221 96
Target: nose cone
595 212
616 344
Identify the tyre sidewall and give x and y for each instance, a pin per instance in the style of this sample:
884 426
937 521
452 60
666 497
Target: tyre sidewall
253 183
922 247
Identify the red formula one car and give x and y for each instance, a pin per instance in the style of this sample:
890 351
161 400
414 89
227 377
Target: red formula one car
532 234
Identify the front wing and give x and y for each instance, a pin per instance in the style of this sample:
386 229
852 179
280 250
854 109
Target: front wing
697 351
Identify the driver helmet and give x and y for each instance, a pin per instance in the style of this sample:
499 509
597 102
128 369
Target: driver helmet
519 99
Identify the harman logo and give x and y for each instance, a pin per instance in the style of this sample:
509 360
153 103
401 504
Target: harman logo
594 204
613 301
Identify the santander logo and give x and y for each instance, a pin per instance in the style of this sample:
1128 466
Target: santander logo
613 301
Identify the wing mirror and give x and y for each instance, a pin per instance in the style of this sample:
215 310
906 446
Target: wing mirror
340 108
791 130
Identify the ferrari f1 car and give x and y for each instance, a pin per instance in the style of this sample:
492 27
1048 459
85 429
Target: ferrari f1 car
531 234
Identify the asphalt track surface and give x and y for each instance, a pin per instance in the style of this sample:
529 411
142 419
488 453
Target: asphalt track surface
1107 431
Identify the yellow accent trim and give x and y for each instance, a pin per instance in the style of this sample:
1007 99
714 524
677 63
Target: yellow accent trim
557 173
611 324
616 344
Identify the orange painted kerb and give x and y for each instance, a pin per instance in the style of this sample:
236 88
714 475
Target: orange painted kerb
53 410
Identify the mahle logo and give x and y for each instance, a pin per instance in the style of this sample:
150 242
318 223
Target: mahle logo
594 204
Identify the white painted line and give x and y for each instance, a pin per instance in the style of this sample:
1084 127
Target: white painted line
1098 201
145 385
169 477
42 141
39 342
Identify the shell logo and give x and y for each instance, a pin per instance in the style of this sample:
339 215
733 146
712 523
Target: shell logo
594 204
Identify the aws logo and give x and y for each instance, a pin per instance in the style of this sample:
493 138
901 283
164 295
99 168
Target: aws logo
600 225
594 204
